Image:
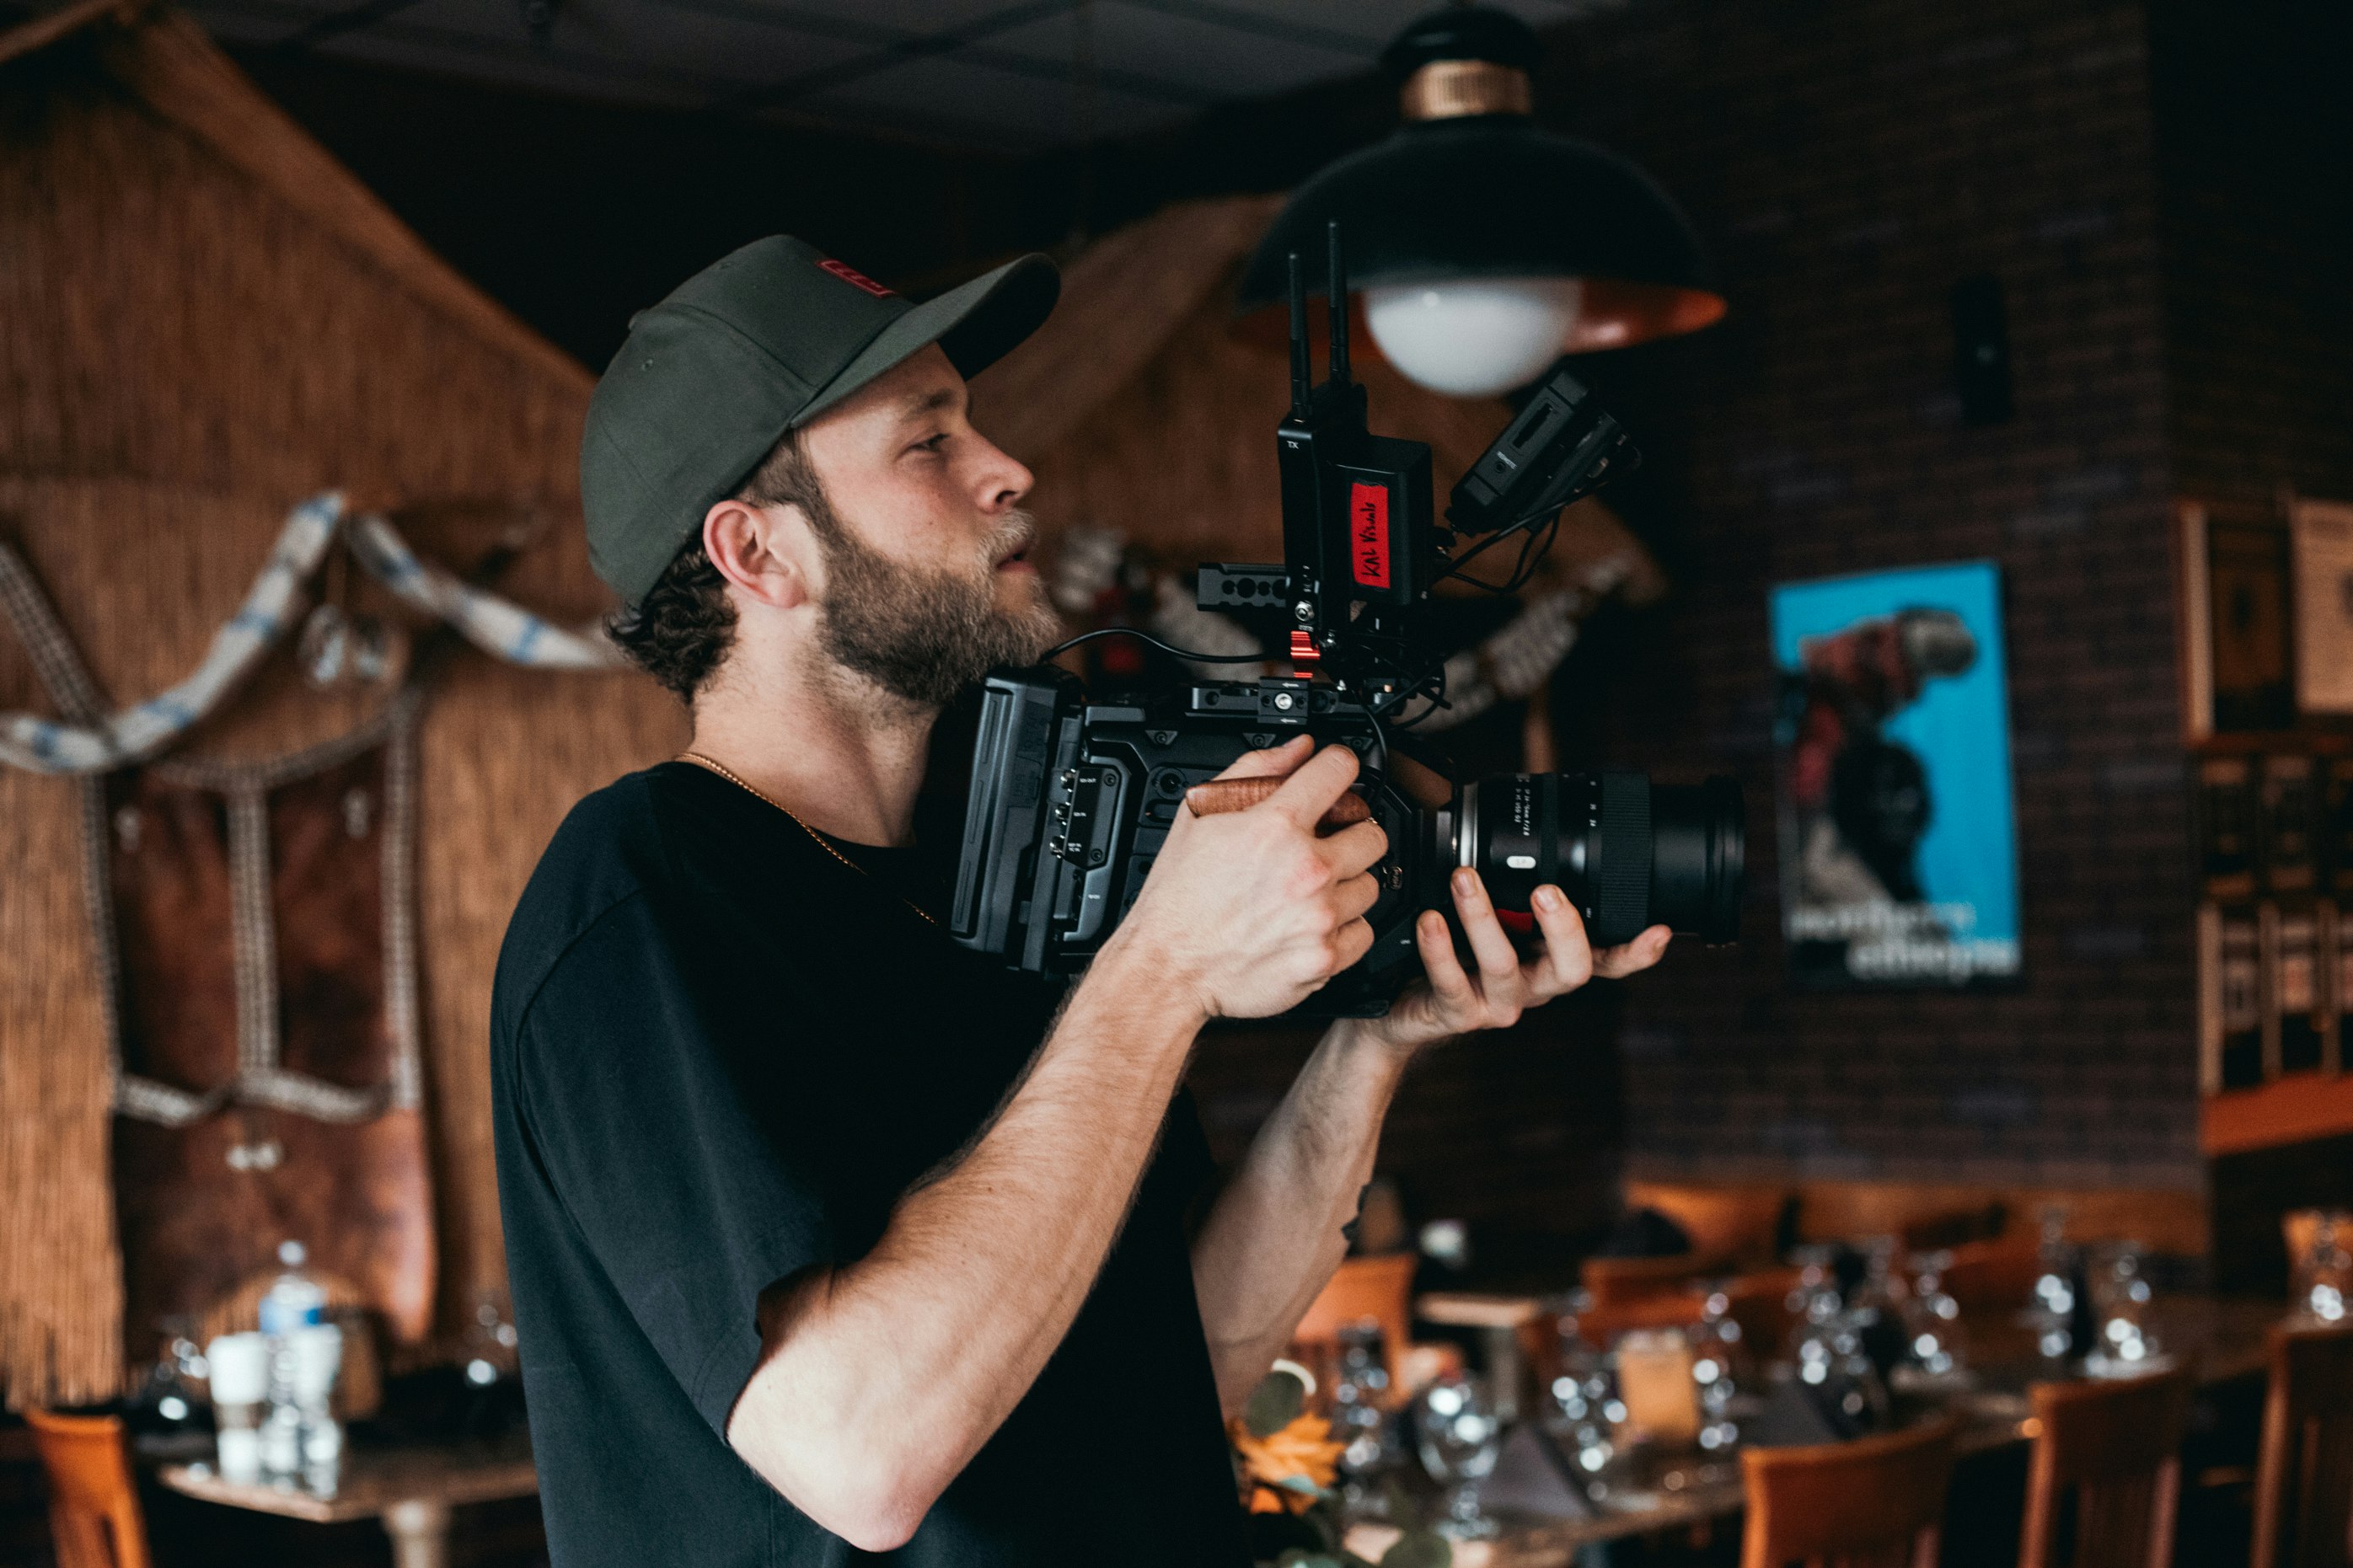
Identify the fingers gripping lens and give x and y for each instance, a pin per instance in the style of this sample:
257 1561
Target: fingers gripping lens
1629 854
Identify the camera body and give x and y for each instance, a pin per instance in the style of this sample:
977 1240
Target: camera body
1073 797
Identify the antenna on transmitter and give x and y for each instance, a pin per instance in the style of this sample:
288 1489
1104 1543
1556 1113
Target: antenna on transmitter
1336 299
1299 365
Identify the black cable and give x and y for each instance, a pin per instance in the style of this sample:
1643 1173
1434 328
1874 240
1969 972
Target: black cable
1060 648
1380 734
1524 528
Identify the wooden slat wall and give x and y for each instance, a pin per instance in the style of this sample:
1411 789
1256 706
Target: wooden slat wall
188 349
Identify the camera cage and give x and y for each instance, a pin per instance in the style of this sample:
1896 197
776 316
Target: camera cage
1363 550
1073 794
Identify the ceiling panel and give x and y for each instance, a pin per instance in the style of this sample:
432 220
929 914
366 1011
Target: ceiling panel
1013 112
902 17
698 46
992 73
1208 56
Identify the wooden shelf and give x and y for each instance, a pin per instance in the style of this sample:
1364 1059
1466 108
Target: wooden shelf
2291 1109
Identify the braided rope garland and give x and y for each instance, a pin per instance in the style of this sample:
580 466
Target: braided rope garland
87 741
88 746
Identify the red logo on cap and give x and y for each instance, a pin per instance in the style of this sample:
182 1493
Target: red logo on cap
854 278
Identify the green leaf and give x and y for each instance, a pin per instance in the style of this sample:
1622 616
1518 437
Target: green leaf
1274 1404
1419 1549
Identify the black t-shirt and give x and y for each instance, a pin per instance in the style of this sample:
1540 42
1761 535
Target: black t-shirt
719 1056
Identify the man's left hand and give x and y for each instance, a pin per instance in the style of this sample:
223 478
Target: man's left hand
1454 1001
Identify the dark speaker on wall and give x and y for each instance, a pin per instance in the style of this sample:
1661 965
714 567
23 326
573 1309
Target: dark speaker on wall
1980 350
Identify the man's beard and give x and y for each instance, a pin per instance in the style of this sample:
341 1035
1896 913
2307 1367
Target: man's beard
924 634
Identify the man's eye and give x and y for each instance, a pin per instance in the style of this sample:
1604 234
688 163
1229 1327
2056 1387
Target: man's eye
931 444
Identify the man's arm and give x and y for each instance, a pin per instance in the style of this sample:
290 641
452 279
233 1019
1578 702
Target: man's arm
880 1379
1273 1236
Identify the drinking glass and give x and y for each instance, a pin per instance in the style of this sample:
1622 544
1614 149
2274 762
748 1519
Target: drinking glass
2324 1274
2120 1312
1459 1439
2051 1309
239 1369
1932 1320
1362 1421
1828 1347
1714 1343
1815 1300
1659 1385
168 1401
1586 1406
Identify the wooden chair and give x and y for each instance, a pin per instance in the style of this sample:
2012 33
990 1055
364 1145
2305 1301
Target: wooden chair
1618 1281
1600 1326
1380 1288
2304 1478
1759 1303
94 1514
1993 1274
2114 1447
1740 1223
2297 1227
1875 1502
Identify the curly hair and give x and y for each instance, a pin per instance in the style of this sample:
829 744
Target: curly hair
680 631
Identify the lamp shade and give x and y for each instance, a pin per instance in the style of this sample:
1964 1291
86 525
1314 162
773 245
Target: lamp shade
1474 191
1472 337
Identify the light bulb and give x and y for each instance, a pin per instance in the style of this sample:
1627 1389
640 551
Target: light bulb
1472 337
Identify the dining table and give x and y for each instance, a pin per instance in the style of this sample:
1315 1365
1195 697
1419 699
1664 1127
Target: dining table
409 1487
2223 1338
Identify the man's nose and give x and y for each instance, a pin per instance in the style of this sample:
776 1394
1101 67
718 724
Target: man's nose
1004 479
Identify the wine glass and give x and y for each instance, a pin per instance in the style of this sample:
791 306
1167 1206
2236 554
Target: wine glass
1716 1342
2120 1298
1362 1421
2324 1274
1586 1409
2051 1310
1460 1437
1932 1320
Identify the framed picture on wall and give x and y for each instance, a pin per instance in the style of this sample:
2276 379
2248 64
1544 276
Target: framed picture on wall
2321 539
1899 863
2237 655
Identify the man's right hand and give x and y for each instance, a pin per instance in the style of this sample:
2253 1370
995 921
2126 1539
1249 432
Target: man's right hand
1250 910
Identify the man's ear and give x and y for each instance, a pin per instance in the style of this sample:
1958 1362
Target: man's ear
765 552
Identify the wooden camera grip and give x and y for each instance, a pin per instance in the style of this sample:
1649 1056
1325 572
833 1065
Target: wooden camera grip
1241 795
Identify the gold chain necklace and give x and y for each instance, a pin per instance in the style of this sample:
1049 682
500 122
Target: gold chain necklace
699 760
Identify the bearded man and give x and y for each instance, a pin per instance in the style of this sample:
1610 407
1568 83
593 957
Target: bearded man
827 1236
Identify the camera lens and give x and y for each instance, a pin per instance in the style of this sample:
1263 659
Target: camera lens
1629 853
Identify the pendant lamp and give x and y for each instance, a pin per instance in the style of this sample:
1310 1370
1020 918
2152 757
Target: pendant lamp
1482 247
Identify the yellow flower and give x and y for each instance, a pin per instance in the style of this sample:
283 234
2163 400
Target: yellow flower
1302 1450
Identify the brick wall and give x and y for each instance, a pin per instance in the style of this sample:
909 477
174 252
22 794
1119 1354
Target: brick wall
1848 162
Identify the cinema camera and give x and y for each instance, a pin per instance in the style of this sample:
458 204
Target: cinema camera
1072 797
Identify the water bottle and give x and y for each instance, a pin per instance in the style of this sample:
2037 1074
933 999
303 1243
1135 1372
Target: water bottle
294 1303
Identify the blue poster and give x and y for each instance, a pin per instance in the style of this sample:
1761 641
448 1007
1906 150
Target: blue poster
1899 862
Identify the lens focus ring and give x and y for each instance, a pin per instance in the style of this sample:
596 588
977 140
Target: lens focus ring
1622 882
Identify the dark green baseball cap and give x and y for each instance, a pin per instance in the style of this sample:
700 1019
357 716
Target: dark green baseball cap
755 344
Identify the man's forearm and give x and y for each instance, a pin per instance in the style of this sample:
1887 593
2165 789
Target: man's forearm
1273 1236
882 1378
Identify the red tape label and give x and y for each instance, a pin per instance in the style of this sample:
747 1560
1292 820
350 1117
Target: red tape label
1368 534
854 278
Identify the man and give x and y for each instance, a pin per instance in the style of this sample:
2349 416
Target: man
827 1237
